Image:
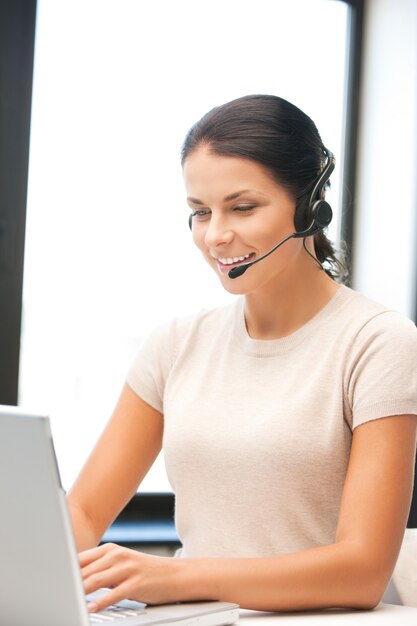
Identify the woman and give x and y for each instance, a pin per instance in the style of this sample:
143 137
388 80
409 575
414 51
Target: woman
288 419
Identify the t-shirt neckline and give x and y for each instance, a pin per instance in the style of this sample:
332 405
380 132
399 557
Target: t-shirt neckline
272 347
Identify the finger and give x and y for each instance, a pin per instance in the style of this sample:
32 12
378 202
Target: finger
100 564
115 595
104 560
105 578
111 577
88 556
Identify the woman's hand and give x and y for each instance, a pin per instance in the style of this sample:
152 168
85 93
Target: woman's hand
129 574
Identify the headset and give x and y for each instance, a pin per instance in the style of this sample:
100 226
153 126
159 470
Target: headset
312 214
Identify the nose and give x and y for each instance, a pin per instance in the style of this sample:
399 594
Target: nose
218 231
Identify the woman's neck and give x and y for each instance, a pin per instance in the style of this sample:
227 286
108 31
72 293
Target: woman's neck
279 309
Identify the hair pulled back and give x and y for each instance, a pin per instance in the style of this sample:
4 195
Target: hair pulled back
279 136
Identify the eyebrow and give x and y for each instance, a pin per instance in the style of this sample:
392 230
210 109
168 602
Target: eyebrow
231 196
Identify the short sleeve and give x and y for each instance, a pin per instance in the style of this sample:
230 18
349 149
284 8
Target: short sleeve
149 370
382 372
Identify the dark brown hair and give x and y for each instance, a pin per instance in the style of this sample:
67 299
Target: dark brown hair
278 135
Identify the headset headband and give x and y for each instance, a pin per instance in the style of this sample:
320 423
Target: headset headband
323 177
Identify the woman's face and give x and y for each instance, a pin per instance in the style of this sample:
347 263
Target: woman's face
239 213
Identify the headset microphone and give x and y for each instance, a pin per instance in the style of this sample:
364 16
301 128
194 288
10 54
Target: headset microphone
237 271
318 213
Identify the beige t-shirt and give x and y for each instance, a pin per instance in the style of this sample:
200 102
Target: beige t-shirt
257 434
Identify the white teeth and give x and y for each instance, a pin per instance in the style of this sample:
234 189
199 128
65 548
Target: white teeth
229 260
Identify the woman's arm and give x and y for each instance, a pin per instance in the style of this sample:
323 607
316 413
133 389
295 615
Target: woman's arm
120 460
352 572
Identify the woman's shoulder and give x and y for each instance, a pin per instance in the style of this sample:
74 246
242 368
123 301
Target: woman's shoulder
162 347
371 319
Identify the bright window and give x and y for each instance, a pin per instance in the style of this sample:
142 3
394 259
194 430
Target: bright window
117 84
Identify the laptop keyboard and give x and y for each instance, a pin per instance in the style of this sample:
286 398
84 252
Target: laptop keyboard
122 609
112 613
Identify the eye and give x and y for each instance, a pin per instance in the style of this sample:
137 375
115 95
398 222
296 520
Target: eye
200 214
242 208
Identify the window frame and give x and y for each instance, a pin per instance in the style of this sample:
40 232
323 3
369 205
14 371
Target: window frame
17 40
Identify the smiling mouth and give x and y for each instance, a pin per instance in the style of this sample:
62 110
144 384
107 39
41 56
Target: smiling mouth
231 260
225 264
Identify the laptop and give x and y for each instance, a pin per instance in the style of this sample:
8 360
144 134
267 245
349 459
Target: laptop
40 578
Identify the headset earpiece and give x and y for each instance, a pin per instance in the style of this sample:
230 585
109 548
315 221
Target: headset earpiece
321 213
314 214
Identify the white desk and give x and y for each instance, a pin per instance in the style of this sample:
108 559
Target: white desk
383 615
